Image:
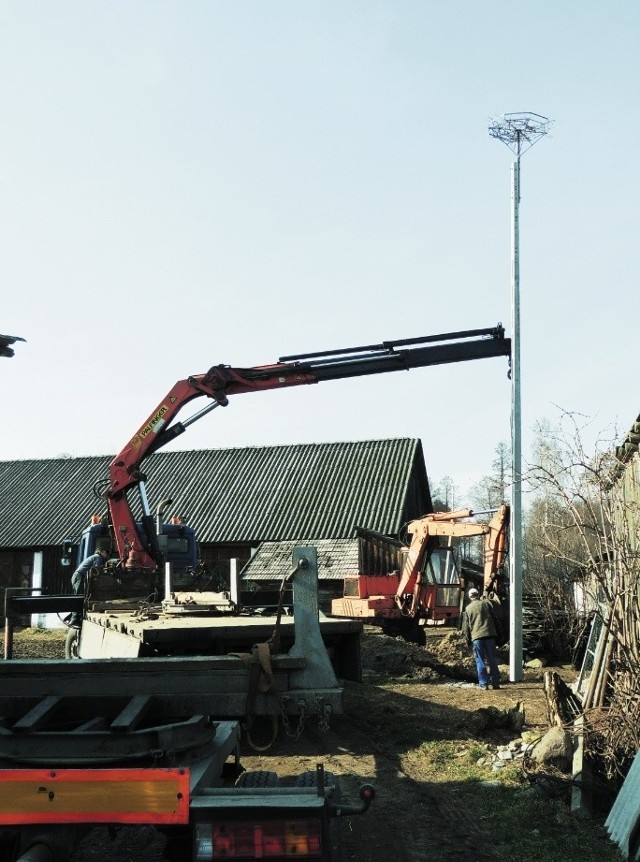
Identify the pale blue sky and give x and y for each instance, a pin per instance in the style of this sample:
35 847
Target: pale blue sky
184 184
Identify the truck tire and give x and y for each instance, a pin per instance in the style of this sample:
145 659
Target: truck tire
309 779
258 778
72 643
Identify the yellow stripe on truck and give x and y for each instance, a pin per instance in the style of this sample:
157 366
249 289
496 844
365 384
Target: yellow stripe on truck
94 796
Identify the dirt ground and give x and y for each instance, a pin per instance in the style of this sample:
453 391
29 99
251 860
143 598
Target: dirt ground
410 694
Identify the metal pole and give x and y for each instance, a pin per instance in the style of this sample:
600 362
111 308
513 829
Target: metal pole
167 582
515 556
234 583
519 131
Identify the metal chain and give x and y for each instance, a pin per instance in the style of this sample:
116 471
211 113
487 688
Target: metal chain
285 718
324 713
293 733
157 754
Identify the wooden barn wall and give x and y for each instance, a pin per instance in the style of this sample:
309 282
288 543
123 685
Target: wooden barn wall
629 488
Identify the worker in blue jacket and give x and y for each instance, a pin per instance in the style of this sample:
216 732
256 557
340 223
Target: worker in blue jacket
79 577
480 631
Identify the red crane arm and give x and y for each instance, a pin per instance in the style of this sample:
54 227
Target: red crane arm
222 381
157 430
218 383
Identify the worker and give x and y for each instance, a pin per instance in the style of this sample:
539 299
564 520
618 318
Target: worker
480 631
79 578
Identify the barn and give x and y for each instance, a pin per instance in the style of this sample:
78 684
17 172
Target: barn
238 501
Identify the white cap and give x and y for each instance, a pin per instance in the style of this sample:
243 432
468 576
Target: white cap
473 593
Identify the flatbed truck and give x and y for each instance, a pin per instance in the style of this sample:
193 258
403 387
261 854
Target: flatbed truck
143 726
155 740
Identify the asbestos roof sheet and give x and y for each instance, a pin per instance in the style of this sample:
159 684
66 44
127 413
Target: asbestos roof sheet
622 822
337 558
250 495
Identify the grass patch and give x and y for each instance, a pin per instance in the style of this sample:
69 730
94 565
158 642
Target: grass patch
522 825
435 747
539 830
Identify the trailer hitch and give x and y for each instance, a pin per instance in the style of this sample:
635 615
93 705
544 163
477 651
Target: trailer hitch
367 794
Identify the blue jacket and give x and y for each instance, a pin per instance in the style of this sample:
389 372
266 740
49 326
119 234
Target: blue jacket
95 561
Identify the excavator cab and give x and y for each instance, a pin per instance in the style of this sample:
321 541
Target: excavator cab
441 585
435 597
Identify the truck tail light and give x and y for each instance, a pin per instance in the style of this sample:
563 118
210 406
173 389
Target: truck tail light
259 840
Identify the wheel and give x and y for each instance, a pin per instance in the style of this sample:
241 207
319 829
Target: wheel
258 778
309 779
72 643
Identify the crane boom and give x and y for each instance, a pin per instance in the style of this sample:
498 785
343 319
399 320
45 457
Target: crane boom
5 344
222 381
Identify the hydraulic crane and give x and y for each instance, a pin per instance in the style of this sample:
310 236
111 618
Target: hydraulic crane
112 740
5 344
138 548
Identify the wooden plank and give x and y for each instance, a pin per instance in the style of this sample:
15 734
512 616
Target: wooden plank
581 786
132 714
38 715
97 723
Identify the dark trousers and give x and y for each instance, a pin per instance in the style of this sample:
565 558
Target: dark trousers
484 652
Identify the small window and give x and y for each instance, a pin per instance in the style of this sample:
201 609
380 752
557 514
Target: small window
442 567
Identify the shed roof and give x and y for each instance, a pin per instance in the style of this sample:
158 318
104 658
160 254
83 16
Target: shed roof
629 446
250 495
337 558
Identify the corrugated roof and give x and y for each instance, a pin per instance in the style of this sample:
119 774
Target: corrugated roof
622 822
270 493
629 446
272 561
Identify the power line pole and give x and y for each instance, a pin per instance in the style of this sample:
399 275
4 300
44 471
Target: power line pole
519 132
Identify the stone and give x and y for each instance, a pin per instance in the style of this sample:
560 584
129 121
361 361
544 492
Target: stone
554 749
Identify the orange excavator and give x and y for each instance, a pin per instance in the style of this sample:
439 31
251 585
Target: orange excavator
428 585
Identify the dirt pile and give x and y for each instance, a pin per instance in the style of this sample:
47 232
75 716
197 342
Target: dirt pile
445 655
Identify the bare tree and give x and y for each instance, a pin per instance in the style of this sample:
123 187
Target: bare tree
491 490
584 530
445 495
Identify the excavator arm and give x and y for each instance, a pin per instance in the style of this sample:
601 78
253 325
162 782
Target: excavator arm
425 533
140 550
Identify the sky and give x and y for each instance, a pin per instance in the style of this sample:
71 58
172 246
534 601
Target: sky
186 183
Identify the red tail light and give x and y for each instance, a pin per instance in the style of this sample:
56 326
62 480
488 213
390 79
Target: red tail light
261 840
